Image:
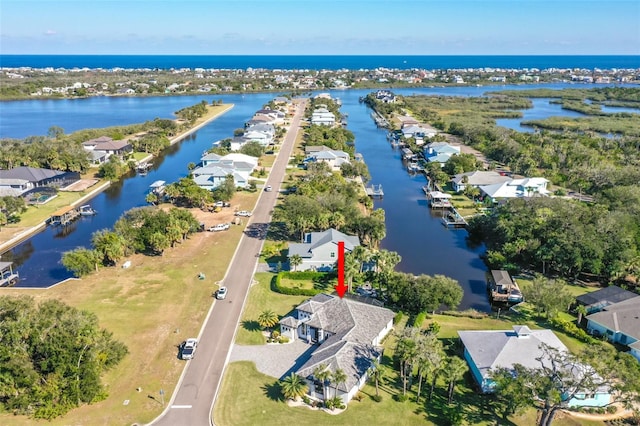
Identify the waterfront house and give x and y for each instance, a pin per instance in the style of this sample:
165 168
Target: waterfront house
14 187
476 179
516 188
620 323
323 117
596 301
212 176
266 128
334 158
104 147
26 179
488 350
440 152
262 137
349 334
319 250
277 115
214 169
418 132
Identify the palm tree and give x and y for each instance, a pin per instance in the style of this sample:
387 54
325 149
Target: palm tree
294 387
430 358
338 377
454 370
376 370
581 310
323 374
407 350
294 261
350 269
268 319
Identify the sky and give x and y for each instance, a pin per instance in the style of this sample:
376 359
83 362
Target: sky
321 27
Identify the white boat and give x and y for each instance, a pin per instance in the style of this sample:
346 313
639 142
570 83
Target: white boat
86 210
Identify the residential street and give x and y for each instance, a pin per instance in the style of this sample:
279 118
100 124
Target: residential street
193 399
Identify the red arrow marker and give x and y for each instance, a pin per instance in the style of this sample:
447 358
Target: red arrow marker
341 289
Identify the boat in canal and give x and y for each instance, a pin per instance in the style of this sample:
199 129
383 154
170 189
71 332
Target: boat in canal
86 210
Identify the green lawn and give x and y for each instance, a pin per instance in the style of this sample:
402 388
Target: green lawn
261 297
250 398
324 283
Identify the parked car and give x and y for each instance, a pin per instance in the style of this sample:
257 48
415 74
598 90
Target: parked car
244 213
219 227
221 293
188 348
268 188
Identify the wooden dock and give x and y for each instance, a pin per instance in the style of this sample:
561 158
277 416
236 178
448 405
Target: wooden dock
439 200
453 220
8 277
503 289
375 191
64 216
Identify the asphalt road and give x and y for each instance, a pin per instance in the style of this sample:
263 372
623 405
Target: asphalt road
193 399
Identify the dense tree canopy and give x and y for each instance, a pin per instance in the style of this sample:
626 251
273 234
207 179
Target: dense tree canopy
423 293
561 236
52 357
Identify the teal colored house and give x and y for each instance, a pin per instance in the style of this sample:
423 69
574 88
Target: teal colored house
488 350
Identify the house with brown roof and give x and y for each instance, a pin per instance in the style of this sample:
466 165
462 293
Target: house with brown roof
348 332
104 147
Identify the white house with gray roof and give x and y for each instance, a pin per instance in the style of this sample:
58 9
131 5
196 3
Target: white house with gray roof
620 323
334 158
323 117
349 334
214 169
319 251
476 179
488 350
516 188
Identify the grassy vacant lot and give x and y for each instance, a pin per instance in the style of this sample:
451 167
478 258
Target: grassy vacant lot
152 307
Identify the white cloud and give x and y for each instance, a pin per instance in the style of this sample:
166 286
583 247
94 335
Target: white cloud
50 32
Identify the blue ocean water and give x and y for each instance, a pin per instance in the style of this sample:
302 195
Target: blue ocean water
332 62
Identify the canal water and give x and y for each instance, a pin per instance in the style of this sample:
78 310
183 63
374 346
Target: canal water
425 245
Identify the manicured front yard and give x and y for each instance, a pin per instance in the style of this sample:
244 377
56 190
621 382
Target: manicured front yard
261 298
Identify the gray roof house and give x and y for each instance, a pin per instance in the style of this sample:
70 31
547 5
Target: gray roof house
323 117
487 350
477 178
334 158
211 176
620 323
349 333
319 249
600 299
36 177
440 152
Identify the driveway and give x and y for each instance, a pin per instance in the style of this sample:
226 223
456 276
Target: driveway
275 360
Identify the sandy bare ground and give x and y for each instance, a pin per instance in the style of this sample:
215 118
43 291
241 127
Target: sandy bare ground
80 185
